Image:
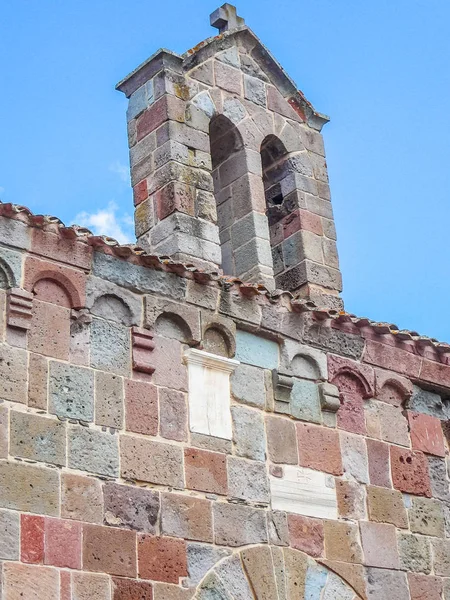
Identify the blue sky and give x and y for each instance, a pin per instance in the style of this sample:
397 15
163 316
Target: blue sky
379 69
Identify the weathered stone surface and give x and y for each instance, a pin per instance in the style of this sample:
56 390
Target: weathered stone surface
93 451
378 458
162 559
427 517
71 391
109 550
141 407
29 488
281 440
247 480
410 472
26 582
168 591
236 525
306 534
37 438
37 381
386 506
91 586
379 545
248 446
110 347
108 400
206 471
441 557
81 498
354 457
154 462
426 433
437 469
62 543
135 508
429 403
173 414
319 449
186 517
351 499
423 587
305 402
130 589
9 535
13 374
201 558
383 583
277 528
415 554
342 542
257 351
248 385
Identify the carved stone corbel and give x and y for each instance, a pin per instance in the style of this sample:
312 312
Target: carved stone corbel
19 306
142 347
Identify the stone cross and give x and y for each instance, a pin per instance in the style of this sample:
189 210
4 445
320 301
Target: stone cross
226 18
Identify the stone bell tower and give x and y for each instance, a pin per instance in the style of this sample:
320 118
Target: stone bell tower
228 166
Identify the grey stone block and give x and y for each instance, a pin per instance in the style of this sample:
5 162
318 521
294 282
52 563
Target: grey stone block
248 433
234 305
108 400
383 583
191 247
229 56
253 225
127 309
11 265
236 525
255 350
333 340
303 361
131 507
93 451
247 480
437 469
179 132
429 403
254 254
9 535
234 110
37 438
415 553
139 279
255 90
186 317
201 559
143 150
248 385
71 391
250 67
110 347
180 223
232 574
15 233
278 528
141 99
305 401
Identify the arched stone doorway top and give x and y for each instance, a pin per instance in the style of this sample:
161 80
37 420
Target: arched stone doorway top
272 573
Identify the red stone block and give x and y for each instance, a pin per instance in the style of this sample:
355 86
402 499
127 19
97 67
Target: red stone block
31 539
424 587
72 251
140 192
378 456
395 359
306 534
310 222
141 407
205 471
435 372
410 472
173 197
361 380
50 330
70 290
162 558
426 433
294 102
350 415
319 448
65 591
129 589
166 108
62 543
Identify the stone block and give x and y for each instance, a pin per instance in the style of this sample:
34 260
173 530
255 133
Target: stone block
205 471
4 431
305 402
93 451
71 391
108 400
15 233
277 527
415 554
32 539
186 517
383 584
173 414
166 108
131 507
141 99
379 544
392 358
378 461
81 498
109 550
141 407
130 589
342 542
394 426
441 557
437 469
248 433
424 587
255 90
306 534
50 330
91 586
29 582
247 480
154 462
254 350
162 559
9 535
281 440
37 438
328 338
210 442
428 403
426 516
169 368
201 558
354 457
248 385
110 347
426 433
410 472
29 488
228 78
37 381
13 374
386 506
62 543
319 448
351 500
236 525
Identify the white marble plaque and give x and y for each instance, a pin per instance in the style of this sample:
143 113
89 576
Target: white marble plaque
305 492
209 393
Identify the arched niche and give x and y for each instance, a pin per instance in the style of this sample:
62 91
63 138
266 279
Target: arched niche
171 325
112 308
7 279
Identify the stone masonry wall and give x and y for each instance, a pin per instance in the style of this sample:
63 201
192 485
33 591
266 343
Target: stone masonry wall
107 494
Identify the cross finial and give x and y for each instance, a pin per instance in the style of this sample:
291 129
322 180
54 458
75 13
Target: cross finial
226 18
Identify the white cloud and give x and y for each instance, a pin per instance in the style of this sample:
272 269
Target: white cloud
121 170
106 221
